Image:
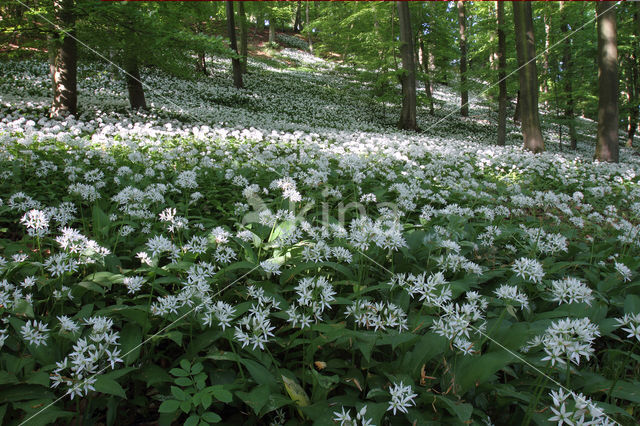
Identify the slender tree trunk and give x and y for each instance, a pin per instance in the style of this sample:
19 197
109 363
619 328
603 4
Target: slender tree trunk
567 68
408 115
65 88
244 52
272 30
516 112
134 83
427 79
632 124
297 24
464 93
502 75
235 62
306 22
607 143
526 50
545 56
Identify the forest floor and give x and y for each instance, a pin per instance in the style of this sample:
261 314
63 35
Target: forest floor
283 252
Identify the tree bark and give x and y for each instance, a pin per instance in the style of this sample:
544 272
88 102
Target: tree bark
502 75
272 30
235 62
526 51
634 91
244 51
607 142
134 84
464 92
306 22
567 68
297 24
427 79
65 87
516 112
545 55
408 79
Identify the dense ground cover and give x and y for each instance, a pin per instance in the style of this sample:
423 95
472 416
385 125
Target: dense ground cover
281 254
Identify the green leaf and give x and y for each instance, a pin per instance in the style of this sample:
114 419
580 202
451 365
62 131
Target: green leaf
109 386
632 304
169 406
193 420
256 398
220 393
152 374
183 381
178 393
206 400
461 410
477 370
627 391
211 417
23 308
178 372
101 222
295 391
130 339
185 365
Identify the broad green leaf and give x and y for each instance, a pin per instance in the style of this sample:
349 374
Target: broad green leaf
169 406
109 386
256 398
211 417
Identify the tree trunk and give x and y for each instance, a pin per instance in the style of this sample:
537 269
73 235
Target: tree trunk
516 113
244 52
408 115
427 79
607 143
134 84
306 22
634 91
297 24
526 51
272 30
464 93
201 65
545 56
502 75
65 88
235 62
567 68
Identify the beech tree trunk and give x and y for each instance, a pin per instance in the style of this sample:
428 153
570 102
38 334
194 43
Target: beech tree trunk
134 84
607 142
408 79
297 23
65 62
235 62
306 22
634 92
464 92
244 52
427 79
567 68
272 30
526 51
502 75
545 56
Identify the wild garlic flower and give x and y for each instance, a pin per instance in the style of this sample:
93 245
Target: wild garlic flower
34 332
377 315
133 284
623 270
570 290
512 294
567 340
528 269
433 289
632 323
576 409
457 319
36 222
402 397
344 418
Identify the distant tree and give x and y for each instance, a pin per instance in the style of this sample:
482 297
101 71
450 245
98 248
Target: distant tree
408 76
567 68
526 52
464 91
607 142
235 62
242 17
64 56
502 75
